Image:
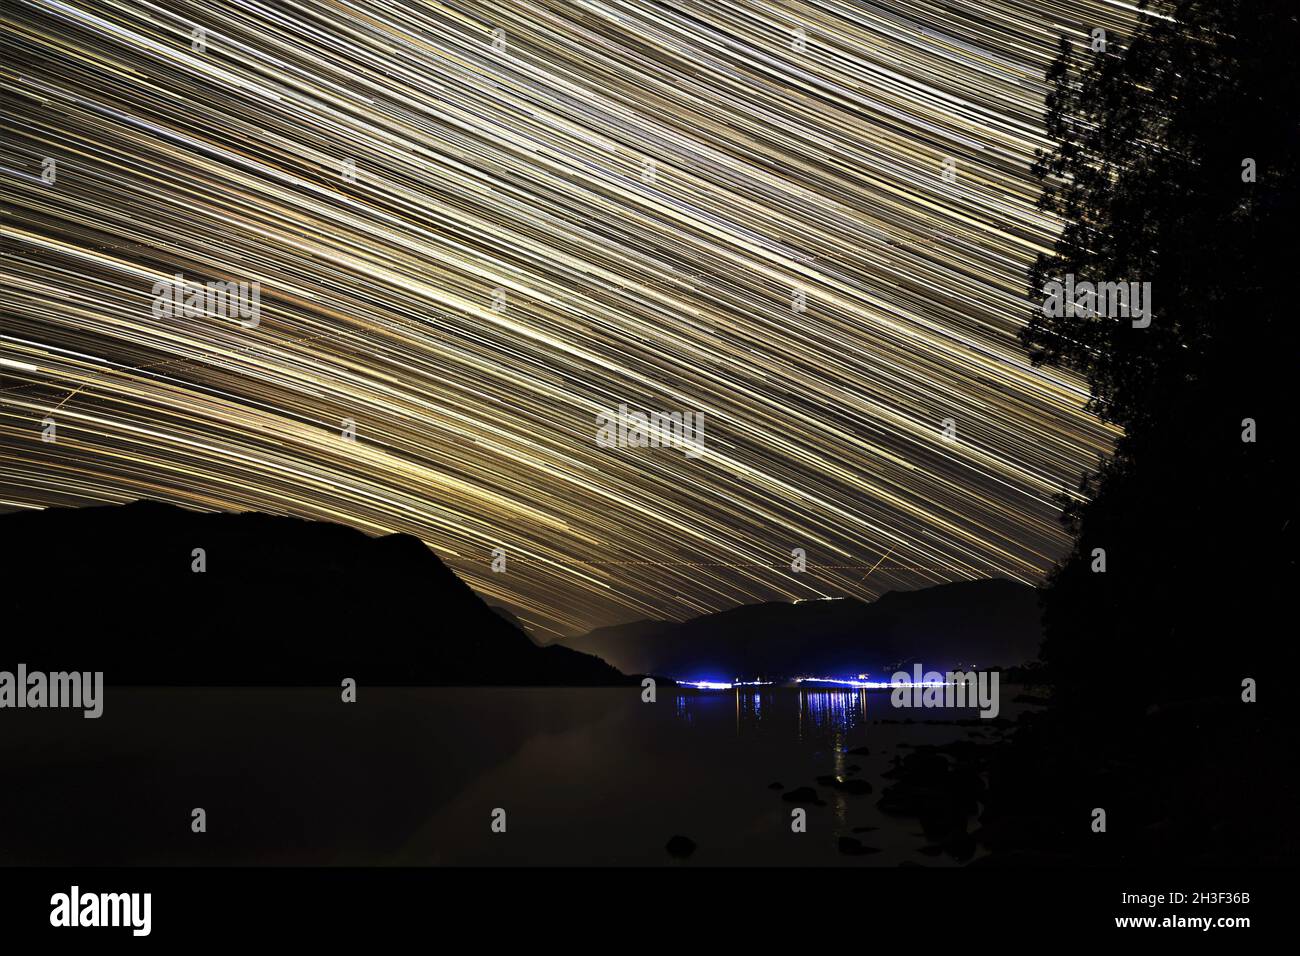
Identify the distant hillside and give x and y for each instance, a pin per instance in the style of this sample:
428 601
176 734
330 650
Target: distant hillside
984 623
282 601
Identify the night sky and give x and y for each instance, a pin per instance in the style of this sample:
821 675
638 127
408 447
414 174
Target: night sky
606 203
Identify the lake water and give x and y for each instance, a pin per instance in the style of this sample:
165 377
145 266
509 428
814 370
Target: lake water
412 776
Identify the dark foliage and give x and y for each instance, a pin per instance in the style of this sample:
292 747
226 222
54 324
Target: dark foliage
1147 176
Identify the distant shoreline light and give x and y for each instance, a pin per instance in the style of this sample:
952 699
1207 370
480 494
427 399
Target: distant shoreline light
858 683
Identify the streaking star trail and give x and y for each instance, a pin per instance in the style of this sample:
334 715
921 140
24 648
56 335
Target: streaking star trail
476 227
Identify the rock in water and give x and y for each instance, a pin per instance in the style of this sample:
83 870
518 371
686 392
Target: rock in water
680 847
802 795
851 846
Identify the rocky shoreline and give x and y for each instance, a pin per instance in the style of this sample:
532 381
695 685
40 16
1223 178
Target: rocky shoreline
1195 782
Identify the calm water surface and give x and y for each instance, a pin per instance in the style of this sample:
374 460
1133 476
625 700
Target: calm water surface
411 776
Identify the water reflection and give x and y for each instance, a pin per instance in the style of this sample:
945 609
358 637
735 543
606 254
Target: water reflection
595 775
811 714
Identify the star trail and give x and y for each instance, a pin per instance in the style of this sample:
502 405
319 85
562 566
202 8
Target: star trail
476 227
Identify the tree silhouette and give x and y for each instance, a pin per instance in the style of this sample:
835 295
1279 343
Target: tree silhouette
1155 144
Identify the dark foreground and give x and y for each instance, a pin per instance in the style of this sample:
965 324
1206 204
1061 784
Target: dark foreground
412 776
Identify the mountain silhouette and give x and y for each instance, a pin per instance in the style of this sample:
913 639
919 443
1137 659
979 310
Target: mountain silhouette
280 601
981 623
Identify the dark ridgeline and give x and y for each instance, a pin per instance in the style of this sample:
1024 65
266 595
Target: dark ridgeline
985 623
1147 174
283 601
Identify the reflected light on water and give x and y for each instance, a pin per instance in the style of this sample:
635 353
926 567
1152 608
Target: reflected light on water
829 714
